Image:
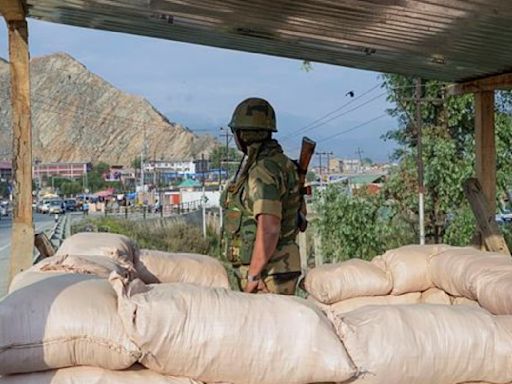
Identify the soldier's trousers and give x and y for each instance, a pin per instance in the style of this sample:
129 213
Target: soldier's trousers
279 283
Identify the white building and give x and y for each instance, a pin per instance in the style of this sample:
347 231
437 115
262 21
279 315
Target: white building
180 167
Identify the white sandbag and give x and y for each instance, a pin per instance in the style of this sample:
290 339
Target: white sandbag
493 290
217 335
435 296
331 283
426 343
101 266
100 244
457 270
165 267
465 301
94 375
359 302
56 320
409 267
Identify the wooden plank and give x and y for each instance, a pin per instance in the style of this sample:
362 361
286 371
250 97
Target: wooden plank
485 146
13 10
44 246
485 218
491 83
22 230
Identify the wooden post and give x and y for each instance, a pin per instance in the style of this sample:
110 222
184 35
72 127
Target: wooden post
22 230
485 146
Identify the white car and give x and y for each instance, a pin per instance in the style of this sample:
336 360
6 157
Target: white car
55 206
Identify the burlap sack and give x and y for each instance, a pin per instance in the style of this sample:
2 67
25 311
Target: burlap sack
217 335
331 283
465 301
493 290
457 270
55 320
100 244
427 343
435 296
359 302
408 266
165 267
94 375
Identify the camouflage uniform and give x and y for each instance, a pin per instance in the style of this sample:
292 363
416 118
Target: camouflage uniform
270 187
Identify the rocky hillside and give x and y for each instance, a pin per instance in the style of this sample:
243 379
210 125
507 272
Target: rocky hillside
78 116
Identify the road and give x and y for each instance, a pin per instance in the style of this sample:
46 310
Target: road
42 223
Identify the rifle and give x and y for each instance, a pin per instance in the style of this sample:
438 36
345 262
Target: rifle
306 153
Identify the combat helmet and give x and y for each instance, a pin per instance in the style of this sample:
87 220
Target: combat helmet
254 114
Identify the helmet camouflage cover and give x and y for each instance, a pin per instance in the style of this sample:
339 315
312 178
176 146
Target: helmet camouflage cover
254 114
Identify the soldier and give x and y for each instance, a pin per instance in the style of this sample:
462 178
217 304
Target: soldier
261 205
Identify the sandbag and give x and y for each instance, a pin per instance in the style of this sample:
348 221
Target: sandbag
217 335
427 343
465 301
359 302
457 270
493 290
408 266
435 296
94 375
57 320
100 244
331 283
165 267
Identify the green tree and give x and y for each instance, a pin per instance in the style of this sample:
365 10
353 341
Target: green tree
448 152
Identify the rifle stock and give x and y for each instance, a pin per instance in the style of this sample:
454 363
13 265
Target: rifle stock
306 153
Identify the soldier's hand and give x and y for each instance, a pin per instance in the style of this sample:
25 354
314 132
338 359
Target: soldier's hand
251 286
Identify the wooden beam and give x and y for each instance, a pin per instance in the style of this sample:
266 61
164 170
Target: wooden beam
12 10
22 230
489 231
491 83
485 146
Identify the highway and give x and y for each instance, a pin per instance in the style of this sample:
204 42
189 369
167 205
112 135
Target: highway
42 223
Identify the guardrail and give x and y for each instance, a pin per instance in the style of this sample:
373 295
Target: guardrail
143 212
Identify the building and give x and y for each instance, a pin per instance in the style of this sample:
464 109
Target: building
5 170
349 166
334 166
67 170
178 167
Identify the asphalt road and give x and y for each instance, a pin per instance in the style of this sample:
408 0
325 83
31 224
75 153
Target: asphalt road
42 223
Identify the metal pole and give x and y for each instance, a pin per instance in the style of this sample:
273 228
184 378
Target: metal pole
321 173
203 199
420 162
22 229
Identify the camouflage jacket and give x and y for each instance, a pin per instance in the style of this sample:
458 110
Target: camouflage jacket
270 187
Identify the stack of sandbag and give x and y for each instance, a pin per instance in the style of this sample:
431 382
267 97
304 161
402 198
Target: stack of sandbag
427 343
217 335
165 267
473 276
94 375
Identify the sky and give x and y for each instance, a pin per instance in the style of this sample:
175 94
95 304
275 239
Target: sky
200 86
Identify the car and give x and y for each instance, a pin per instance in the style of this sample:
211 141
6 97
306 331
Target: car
56 206
70 204
3 210
44 206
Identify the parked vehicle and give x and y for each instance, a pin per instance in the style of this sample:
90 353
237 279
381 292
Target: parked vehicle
3 210
56 206
44 206
70 204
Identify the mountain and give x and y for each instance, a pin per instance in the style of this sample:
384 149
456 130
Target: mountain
78 116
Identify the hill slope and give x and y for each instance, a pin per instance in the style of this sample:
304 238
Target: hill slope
78 116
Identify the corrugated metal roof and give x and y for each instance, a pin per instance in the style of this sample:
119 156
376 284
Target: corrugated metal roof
452 40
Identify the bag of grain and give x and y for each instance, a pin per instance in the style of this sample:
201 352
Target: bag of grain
493 288
93 375
408 266
165 267
117 247
427 343
457 270
331 283
217 335
435 296
56 320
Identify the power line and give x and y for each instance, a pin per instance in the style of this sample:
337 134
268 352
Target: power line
353 128
331 113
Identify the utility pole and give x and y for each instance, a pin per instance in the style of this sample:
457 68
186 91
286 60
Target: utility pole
320 154
228 137
203 197
359 152
420 162
142 155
